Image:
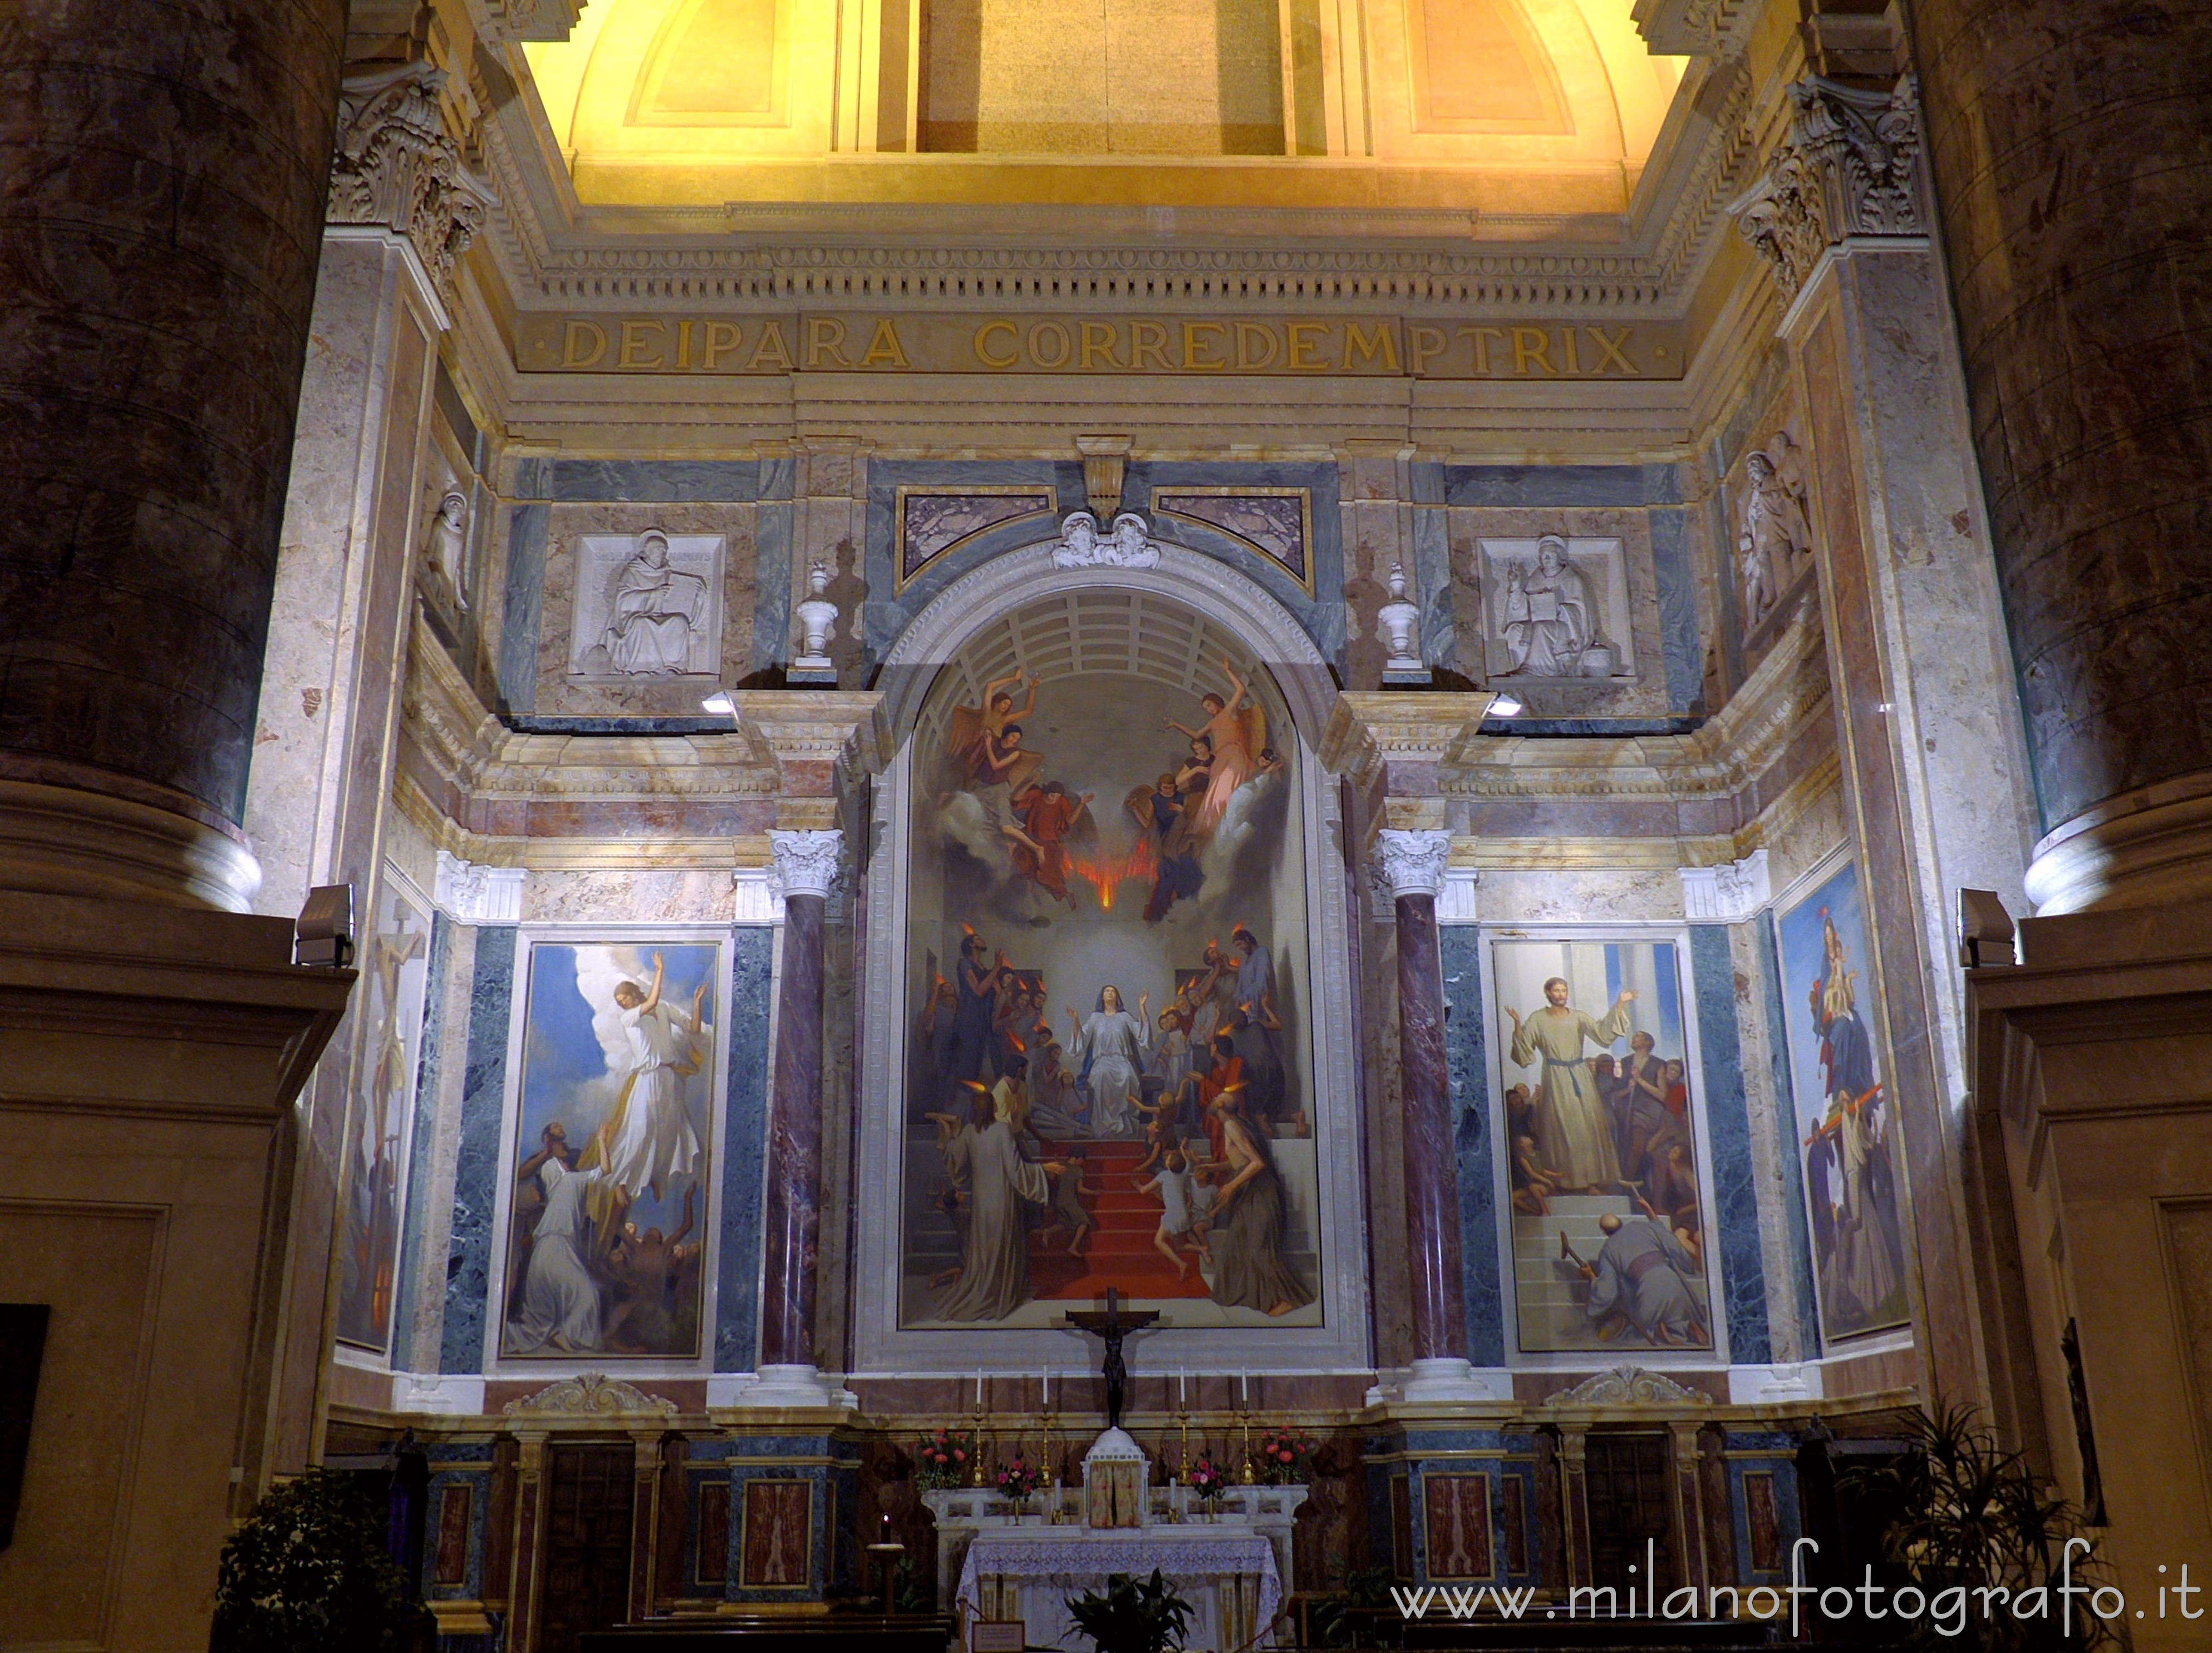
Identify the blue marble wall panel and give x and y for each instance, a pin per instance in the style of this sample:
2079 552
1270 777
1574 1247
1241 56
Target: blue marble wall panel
890 609
476 1168
1418 1455
457 1463
1795 1220
1764 1453
1562 486
421 1142
1734 1221
830 1468
1678 609
655 481
772 538
528 529
1469 1064
737 1292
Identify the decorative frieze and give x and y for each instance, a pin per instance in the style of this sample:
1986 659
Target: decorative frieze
1848 166
1629 1385
396 168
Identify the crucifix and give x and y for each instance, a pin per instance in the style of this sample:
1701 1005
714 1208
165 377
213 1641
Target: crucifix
1112 1327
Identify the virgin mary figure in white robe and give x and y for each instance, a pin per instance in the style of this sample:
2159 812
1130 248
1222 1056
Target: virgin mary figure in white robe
1117 1045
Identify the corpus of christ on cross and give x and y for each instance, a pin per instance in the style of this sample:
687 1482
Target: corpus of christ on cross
1111 1327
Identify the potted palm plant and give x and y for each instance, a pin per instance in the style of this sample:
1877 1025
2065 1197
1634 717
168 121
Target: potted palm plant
1133 1616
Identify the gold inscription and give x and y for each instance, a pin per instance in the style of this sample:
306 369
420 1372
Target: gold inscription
860 342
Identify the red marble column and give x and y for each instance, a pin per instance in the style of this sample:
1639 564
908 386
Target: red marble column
807 864
1413 864
162 173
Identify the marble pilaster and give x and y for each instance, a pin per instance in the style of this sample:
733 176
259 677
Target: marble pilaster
807 864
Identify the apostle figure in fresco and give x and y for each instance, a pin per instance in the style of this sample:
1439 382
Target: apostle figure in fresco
654 613
1251 1219
646 1141
1572 1126
1642 1279
1548 614
1114 1047
1259 1035
974 1016
1164 811
1049 815
1002 1189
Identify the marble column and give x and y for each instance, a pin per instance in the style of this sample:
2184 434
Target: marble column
806 865
2067 145
1934 767
1413 864
162 176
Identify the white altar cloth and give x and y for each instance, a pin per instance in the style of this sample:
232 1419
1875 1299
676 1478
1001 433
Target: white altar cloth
1227 1574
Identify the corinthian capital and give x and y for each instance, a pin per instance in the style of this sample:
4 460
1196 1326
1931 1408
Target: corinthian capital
397 169
1849 166
1411 863
806 862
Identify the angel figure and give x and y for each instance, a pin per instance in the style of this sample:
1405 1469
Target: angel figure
647 1141
977 733
1235 733
1049 815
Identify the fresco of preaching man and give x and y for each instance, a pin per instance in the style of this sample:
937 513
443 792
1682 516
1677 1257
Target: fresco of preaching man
1642 1280
1572 1126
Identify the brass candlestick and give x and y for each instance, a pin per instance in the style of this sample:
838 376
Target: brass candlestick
975 1464
1244 1439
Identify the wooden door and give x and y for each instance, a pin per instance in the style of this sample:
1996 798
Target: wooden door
590 1492
1624 1479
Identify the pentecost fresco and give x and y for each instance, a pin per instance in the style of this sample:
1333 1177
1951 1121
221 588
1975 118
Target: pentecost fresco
1107 1073
1609 1230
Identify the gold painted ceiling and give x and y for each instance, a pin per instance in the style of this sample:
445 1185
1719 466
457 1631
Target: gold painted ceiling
1547 108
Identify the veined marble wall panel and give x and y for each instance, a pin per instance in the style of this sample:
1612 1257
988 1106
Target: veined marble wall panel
641 894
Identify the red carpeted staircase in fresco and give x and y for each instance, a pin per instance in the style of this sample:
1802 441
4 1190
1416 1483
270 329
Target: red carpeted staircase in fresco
1118 1251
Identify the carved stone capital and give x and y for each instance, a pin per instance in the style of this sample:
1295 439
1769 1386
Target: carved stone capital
806 863
396 168
1730 893
471 893
1849 166
1413 863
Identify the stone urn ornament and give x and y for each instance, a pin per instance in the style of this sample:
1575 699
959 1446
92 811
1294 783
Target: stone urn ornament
817 617
1400 621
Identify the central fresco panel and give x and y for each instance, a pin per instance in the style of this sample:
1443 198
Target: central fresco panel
1108 1067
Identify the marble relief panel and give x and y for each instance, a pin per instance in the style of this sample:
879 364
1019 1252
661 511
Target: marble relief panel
645 607
1574 627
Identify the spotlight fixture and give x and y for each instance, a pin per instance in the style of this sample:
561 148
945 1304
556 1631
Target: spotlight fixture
720 704
323 932
1506 706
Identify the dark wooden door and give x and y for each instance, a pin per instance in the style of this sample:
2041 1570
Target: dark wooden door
590 1492
1625 1478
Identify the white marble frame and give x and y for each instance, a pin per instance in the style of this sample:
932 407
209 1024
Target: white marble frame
1666 930
528 938
935 637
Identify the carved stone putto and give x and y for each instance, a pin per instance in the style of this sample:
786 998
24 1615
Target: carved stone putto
592 1394
1131 546
1629 1385
397 169
1849 166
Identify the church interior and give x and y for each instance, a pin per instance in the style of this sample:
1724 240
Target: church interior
817 817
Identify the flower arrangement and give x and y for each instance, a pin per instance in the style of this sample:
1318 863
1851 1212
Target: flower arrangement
1208 1478
944 1459
1283 1455
1019 1479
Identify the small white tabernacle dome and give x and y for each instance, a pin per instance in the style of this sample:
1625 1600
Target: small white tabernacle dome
1114 1476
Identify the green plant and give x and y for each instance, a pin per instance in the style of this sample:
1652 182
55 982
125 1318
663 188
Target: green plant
308 1568
1330 1621
1131 1617
1968 1516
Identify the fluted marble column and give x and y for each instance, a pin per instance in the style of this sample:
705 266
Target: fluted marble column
806 864
162 174
1413 864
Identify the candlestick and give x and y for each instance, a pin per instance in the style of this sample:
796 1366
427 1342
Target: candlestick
979 1388
1044 1391
975 1462
1182 1388
1244 1378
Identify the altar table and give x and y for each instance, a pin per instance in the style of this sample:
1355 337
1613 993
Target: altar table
1226 1571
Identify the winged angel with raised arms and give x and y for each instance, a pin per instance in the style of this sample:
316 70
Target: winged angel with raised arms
647 1141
